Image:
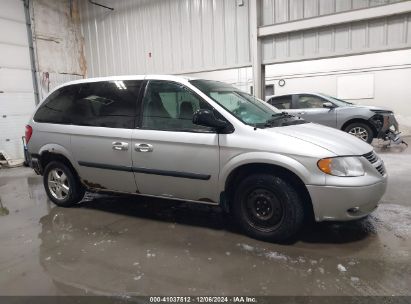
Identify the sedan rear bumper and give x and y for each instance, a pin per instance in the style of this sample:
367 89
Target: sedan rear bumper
332 203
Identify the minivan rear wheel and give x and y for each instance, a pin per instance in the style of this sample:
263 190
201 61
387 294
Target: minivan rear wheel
268 207
62 185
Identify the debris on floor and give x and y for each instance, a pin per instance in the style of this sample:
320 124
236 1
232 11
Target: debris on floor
7 162
341 268
3 210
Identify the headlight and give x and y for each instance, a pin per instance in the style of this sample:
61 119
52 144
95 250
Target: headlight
387 112
341 166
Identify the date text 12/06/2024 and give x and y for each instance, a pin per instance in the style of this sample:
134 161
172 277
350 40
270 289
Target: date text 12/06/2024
204 299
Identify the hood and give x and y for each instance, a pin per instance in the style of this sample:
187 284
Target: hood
333 140
371 108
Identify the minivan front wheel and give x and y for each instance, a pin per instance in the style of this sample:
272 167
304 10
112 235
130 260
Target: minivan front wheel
62 185
268 207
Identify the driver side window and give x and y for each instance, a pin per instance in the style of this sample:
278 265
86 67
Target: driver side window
310 101
170 106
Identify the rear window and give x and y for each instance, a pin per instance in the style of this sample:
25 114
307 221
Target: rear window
110 104
55 108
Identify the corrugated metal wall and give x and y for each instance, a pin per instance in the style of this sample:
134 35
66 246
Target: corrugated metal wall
278 11
157 36
352 38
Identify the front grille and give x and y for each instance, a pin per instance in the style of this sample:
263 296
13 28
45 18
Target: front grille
372 157
381 169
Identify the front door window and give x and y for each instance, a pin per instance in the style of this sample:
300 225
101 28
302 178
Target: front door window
310 101
170 106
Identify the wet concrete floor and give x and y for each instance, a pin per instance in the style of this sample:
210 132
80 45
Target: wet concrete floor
138 246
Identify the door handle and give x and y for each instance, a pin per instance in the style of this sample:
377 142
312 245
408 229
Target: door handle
143 148
120 146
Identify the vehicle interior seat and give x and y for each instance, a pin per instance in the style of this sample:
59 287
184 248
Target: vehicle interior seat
186 110
156 107
156 116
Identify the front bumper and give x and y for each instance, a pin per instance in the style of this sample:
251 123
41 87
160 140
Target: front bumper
385 124
332 203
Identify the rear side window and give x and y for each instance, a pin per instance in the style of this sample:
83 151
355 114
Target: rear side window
55 108
110 104
281 102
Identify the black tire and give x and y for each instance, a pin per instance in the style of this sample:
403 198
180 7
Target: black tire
284 209
370 133
75 191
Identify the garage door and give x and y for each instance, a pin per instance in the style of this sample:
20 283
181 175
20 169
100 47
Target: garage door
16 84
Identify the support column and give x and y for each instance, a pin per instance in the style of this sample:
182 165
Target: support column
256 51
26 5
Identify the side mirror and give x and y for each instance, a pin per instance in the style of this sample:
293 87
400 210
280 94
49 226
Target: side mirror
206 118
328 105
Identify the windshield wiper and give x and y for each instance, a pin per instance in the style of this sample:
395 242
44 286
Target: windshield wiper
276 117
282 115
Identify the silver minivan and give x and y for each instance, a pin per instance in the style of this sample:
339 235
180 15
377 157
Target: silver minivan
204 142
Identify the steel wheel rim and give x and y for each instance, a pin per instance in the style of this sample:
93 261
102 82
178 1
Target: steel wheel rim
58 184
264 210
359 132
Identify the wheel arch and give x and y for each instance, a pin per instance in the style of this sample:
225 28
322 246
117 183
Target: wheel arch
283 171
75 192
51 152
360 120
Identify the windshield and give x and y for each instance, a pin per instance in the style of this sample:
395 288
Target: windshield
338 102
243 106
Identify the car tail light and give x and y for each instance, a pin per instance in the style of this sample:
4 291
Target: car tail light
29 132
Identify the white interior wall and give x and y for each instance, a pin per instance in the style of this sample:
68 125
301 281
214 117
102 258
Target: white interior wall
391 72
278 11
386 33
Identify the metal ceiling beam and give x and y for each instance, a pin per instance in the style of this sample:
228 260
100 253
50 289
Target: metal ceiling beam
335 19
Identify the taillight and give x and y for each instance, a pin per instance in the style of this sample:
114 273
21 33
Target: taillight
29 132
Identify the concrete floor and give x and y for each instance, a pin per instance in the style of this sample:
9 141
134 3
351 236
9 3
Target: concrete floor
137 246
